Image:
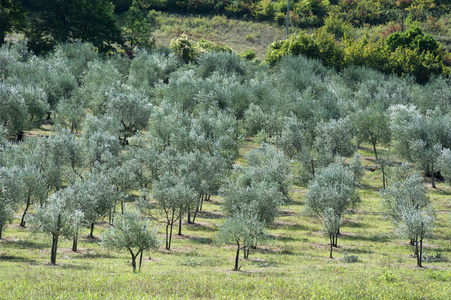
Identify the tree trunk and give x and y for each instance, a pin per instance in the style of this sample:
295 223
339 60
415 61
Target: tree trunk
375 151
122 207
91 235
189 217
237 258
75 243
133 260
22 222
180 226
416 247
54 248
331 237
140 259
432 177
420 256
167 236
383 175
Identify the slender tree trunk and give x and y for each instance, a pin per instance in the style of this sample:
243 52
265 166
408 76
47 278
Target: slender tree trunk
22 222
54 248
420 256
1 233
375 151
197 208
168 244
237 258
122 207
91 235
331 237
416 247
432 177
75 243
167 236
140 259
383 175
180 226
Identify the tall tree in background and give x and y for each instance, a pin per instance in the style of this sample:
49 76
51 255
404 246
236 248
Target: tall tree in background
12 17
84 20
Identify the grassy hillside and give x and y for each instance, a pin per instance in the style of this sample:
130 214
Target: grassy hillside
238 34
294 264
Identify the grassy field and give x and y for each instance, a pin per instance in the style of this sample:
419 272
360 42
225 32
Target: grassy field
293 264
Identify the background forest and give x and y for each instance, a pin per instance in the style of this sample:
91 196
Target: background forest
129 169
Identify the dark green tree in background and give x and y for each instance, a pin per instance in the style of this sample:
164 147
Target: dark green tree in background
12 17
80 20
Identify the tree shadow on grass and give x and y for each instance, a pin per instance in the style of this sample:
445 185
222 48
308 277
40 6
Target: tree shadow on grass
201 240
94 255
25 244
73 267
359 251
200 227
376 239
13 258
210 215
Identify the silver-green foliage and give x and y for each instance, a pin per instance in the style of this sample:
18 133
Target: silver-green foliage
444 164
416 223
335 137
332 187
404 194
132 233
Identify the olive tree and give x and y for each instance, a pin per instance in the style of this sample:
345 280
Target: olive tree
173 197
416 223
333 138
417 138
333 187
6 211
52 218
14 112
410 192
132 233
243 230
372 125
131 110
444 164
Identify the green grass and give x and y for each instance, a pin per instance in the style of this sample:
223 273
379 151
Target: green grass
293 264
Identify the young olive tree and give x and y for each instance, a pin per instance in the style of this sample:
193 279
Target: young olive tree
417 138
243 230
7 209
173 197
333 187
355 165
372 125
444 164
410 192
131 110
53 218
416 224
131 233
